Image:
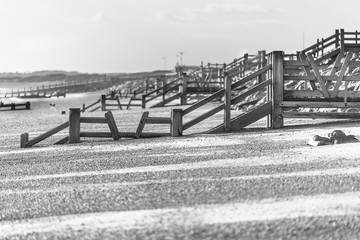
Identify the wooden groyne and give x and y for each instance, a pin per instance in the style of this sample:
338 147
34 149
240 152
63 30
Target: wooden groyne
15 106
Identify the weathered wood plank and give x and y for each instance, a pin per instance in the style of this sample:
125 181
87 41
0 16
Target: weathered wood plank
315 115
308 104
250 91
243 120
93 120
289 94
112 125
96 134
334 68
307 71
47 134
325 78
341 74
298 63
112 105
203 116
158 120
141 125
318 75
204 101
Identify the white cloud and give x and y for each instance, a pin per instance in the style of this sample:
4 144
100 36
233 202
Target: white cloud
224 13
98 18
235 7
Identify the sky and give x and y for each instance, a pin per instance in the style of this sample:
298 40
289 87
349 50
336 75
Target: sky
106 36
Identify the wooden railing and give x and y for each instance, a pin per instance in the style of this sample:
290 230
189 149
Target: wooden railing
84 107
312 89
340 41
227 92
324 45
50 87
175 85
25 142
351 37
276 80
75 133
15 106
74 129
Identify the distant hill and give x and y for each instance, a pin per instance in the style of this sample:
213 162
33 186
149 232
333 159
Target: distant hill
64 76
36 73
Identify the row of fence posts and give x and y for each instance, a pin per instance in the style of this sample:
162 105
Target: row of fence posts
275 93
51 86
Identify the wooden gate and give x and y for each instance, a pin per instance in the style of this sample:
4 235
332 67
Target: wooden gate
307 89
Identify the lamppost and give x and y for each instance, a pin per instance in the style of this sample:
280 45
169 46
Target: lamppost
181 58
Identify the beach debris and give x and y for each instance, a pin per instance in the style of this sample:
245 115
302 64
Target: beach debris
334 137
338 136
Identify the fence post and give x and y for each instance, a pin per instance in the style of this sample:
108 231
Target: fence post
24 138
222 78
261 64
103 102
246 58
176 123
112 125
356 37
143 101
337 44
74 125
342 42
27 105
183 90
277 88
227 102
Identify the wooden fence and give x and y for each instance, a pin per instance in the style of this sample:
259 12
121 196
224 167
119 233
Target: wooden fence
340 41
96 105
275 80
74 129
226 106
176 86
15 106
174 121
279 87
319 90
75 133
46 90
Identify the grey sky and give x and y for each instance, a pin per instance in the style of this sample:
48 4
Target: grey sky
135 35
